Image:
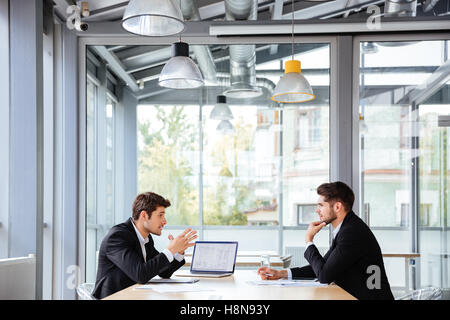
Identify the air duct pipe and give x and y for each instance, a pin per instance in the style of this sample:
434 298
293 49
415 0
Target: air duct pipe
202 54
242 57
223 79
400 8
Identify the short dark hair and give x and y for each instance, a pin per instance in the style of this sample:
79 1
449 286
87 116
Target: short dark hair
148 201
337 191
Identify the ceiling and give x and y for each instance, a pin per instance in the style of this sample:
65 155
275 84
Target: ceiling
111 10
133 64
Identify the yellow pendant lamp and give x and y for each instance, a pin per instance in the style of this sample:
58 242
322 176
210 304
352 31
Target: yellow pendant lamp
293 86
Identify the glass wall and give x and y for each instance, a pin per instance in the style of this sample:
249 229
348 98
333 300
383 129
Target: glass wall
168 158
100 162
260 176
403 152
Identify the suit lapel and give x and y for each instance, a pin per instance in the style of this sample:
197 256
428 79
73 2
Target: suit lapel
347 217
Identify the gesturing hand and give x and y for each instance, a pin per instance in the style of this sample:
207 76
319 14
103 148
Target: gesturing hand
182 242
313 228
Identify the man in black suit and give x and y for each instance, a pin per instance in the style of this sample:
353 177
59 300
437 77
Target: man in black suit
127 255
354 261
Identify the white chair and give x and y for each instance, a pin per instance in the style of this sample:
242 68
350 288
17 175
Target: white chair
431 293
18 278
84 291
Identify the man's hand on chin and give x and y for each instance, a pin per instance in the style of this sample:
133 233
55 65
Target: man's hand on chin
313 229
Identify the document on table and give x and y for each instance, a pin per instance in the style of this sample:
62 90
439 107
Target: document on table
170 288
173 280
288 283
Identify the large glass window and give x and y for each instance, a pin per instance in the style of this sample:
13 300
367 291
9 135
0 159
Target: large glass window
254 182
258 173
100 169
168 158
91 179
404 164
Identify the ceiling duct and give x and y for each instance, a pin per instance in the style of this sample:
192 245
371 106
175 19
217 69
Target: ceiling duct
400 8
428 5
202 54
242 57
223 79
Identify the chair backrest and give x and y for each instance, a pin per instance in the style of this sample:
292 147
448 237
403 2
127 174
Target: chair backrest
84 291
18 278
431 293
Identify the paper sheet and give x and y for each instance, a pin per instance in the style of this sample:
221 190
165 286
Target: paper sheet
169 288
288 283
157 280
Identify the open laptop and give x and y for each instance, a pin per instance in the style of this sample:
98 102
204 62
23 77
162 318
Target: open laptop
212 259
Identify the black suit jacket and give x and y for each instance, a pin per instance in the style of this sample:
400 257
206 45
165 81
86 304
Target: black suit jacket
121 263
354 249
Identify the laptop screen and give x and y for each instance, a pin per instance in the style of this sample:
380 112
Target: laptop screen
214 256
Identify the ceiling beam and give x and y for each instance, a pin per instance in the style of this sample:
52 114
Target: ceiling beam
117 67
320 26
61 8
429 87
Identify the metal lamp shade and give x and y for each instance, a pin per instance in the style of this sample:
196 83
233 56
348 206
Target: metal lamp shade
153 18
221 111
180 72
293 86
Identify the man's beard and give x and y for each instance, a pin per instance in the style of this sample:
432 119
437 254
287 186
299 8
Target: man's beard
332 218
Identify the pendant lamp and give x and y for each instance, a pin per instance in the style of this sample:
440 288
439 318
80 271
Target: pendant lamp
221 111
293 86
180 72
153 18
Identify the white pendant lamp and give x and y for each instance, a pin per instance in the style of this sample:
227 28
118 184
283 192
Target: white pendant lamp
180 72
221 111
293 86
153 18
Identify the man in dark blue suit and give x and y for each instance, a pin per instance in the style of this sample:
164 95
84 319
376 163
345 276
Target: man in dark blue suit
127 255
354 261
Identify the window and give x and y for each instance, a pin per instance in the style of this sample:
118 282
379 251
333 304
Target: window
404 163
248 177
100 169
168 158
218 182
306 213
308 129
109 161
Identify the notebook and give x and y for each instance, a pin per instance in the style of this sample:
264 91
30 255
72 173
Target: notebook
212 259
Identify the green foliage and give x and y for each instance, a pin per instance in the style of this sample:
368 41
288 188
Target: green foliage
165 169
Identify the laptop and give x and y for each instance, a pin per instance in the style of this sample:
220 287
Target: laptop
212 259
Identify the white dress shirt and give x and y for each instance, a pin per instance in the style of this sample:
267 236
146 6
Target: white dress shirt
333 233
167 253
